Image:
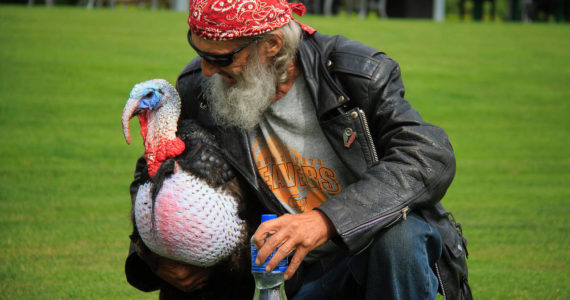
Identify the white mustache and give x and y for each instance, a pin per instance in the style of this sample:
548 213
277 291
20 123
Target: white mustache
242 104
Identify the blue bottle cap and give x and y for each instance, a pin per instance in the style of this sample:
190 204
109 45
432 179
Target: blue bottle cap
267 217
281 266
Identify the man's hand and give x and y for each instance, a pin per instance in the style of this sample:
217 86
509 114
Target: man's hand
300 233
184 277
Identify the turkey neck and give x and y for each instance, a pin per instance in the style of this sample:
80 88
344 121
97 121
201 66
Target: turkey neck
158 129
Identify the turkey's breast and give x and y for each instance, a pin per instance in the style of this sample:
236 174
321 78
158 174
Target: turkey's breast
192 222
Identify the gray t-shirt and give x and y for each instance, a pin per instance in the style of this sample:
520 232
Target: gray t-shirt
292 154
295 159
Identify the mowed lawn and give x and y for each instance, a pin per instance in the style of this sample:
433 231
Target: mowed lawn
500 90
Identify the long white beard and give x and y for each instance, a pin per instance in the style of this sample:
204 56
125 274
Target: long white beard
242 104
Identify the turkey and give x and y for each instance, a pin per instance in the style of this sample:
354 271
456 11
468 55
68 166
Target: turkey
188 208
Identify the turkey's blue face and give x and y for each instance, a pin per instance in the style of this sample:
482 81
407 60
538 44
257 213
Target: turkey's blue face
151 99
149 96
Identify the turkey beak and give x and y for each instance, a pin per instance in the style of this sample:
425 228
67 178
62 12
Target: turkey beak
128 112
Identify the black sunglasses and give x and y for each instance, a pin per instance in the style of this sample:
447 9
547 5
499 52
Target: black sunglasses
221 60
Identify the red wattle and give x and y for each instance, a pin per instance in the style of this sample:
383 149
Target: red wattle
164 149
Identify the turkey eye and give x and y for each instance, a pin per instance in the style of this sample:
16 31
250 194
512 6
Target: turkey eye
149 95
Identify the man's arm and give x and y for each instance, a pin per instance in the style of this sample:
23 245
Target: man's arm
180 275
415 167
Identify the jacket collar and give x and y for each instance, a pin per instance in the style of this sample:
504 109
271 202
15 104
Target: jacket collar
314 53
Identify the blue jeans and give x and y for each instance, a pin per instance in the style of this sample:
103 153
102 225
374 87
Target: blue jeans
395 266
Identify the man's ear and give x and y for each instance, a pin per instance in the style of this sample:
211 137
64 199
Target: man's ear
272 45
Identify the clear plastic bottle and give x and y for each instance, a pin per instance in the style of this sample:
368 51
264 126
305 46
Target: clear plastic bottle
268 285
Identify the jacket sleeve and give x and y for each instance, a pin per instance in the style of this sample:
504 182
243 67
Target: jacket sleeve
139 273
415 162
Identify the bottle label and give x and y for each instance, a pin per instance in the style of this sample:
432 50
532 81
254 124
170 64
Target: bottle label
281 266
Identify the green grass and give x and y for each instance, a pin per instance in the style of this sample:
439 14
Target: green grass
500 90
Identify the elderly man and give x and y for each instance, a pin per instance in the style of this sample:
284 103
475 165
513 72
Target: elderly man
319 132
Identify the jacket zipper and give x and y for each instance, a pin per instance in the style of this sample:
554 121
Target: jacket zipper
440 282
369 139
403 215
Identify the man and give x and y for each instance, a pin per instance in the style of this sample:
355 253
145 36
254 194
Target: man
319 131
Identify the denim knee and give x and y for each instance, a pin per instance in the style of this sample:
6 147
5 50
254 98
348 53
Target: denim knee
398 262
404 239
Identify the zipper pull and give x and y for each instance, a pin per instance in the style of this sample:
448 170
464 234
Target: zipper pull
405 211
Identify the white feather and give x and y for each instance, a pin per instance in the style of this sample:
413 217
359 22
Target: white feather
193 222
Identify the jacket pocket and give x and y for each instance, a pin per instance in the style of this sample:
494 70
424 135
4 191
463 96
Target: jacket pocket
349 135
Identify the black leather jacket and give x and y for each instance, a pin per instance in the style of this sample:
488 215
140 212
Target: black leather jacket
402 163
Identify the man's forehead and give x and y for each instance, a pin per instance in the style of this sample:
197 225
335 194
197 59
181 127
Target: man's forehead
214 46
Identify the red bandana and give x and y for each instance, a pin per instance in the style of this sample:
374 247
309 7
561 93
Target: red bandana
231 19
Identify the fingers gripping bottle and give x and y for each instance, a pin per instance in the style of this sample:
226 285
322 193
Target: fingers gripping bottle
268 285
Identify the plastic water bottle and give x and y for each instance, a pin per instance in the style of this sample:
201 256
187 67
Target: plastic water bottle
268 285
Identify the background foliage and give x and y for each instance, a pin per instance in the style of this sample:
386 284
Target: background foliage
500 91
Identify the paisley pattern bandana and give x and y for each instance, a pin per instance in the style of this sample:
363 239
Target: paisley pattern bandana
230 19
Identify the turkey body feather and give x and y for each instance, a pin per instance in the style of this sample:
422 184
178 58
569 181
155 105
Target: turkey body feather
189 211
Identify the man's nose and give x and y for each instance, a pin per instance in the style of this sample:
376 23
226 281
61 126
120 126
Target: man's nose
209 69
